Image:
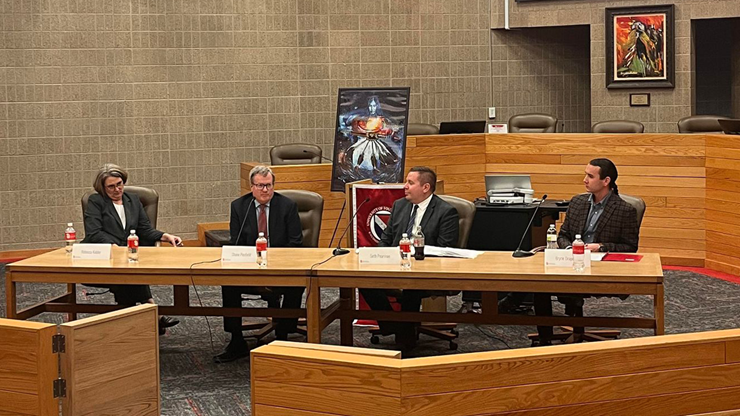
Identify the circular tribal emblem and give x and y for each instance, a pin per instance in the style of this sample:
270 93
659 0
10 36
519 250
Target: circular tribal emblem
377 220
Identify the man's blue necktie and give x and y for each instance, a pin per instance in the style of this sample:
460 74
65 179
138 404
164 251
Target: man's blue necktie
412 220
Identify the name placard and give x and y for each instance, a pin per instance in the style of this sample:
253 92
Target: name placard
238 254
379 255
91 251
564 258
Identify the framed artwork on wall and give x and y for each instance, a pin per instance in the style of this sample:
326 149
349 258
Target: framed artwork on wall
640 47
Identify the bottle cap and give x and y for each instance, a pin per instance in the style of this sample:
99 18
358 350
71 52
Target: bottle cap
405 235
133 231
69 224
552 225
261 235
578 236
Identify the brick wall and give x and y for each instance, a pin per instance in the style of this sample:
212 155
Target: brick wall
180 91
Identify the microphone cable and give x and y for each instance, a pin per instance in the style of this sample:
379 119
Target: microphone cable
200 302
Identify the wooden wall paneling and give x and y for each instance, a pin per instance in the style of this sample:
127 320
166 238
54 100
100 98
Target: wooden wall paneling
28 368
263 410
723 203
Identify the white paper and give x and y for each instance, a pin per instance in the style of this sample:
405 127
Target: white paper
379 255
564 258
597 256
238 254
91 251
451 252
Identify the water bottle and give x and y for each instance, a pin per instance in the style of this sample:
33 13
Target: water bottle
552 237
261 245
405 246
133 247
418 244
579 252
70 237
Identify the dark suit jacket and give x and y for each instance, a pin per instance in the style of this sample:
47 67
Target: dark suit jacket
103 225
440 223
284 224
616 230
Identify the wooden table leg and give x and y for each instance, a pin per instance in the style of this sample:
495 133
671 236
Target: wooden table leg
182 296
313 311
10 296
72 298
489 305
346 304
659 313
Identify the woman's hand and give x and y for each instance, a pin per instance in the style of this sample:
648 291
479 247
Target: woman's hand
172 239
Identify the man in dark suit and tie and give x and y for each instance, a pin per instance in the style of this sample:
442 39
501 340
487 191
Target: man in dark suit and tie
439 223
605 222
261 211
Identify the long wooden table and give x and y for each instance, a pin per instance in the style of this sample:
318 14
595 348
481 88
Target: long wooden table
490 273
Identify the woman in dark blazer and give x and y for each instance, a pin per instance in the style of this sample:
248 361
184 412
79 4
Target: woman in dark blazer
109 217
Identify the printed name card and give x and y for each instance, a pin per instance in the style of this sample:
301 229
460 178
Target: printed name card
379 255
238 254
498 128
564 258
91 251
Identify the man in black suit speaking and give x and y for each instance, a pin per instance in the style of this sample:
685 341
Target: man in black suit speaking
439 223
261 211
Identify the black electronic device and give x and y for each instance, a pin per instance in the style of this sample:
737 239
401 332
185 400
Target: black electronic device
462 127
519 252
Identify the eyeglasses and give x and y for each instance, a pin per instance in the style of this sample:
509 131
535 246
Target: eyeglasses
114 186
263 186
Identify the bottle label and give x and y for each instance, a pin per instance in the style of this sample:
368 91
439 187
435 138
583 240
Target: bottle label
405 248
579 249
261 246
70 236
552 237
133 243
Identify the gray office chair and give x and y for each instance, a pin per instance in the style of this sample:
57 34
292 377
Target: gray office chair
533 123
574 303
421 129
700 124
310 210
618 126
295 154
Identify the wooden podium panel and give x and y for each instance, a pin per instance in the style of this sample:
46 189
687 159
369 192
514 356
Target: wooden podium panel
109 365
723 203
28 368
113 364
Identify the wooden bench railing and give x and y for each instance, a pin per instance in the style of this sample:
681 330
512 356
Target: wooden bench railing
668 375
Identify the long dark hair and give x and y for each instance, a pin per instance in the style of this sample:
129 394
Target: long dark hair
607 169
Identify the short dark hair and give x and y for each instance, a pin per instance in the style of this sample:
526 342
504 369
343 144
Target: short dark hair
607 169
426 175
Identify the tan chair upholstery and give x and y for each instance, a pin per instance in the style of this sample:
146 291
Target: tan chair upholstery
533 123
295 154
421 129
149 199
618 126
700 124
466 212
310 209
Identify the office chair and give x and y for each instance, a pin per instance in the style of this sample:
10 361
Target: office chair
618 126
421 129
700 124
574 303
310 210
295 154
443 331
533 123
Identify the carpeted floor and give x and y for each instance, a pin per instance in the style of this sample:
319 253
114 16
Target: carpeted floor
193 385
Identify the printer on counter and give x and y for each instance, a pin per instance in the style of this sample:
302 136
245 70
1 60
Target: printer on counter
509 189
